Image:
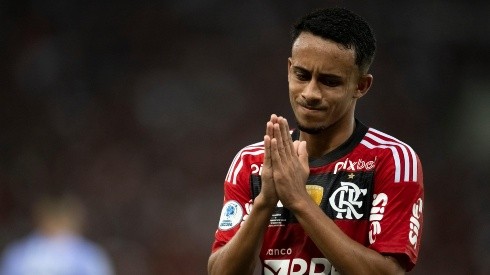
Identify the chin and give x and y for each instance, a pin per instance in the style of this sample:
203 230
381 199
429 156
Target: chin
312 130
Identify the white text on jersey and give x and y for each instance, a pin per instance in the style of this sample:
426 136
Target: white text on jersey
377 211
299 266
349 165
413 234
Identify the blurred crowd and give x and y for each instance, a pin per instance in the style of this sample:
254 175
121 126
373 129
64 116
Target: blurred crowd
138 107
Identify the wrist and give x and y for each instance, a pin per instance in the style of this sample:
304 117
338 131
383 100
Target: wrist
263 203
302 204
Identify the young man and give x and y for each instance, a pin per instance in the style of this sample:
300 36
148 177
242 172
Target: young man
334 197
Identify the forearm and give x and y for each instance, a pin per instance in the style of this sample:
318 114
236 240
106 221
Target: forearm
345 254
240 254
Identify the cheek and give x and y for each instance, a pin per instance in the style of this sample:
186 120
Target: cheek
343 104
292 97
294 90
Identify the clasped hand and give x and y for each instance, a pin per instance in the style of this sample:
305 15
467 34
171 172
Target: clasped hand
285 168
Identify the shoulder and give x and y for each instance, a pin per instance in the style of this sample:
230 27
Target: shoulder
375 139
93 255
16 252
18 246
393 152
243 160
252 149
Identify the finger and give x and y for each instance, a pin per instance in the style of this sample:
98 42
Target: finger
286 137
288 131
296 145
274 118
280 143
267 151
269 130
273 121
275 154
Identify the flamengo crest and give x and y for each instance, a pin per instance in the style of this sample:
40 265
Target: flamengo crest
347 200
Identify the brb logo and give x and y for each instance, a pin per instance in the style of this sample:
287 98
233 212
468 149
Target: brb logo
377 211
415 222
347 200
299 266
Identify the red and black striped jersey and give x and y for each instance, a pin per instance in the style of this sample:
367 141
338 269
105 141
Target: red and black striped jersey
371 187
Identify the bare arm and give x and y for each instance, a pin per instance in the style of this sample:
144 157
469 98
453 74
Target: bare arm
290 162
240 254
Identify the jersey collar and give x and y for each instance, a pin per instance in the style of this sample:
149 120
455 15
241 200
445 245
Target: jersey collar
360 131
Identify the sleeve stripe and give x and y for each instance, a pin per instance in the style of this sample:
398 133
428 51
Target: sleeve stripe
409 160
396 157
239 167
404 151
236 165
233 163
412 152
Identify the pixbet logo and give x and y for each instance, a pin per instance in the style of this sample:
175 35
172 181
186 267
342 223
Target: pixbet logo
256 169
347 199
413 234
377 211
299 266
349 165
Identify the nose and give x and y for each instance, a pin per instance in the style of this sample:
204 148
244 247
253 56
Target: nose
311 93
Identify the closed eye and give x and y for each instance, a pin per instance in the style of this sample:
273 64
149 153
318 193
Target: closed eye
330 80
301 74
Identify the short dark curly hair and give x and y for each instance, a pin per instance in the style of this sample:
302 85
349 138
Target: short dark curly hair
341 26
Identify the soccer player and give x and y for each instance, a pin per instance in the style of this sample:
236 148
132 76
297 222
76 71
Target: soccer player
333 196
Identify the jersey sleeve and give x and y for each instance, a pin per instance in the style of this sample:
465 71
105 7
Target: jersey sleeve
396 216
237 202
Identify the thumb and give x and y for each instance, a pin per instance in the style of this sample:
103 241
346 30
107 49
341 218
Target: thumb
303 154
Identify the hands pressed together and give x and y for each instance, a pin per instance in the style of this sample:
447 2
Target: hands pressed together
285 168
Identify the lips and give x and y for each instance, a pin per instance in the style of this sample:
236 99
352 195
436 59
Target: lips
311 108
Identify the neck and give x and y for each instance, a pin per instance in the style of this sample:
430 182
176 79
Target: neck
328 140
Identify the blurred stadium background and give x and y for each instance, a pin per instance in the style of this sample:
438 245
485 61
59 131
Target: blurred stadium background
138 107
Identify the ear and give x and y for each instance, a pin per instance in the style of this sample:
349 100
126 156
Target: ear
363 85
290 63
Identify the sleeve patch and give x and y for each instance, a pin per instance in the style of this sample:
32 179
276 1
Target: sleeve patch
231 215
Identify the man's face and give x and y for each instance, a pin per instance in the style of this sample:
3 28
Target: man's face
323 83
